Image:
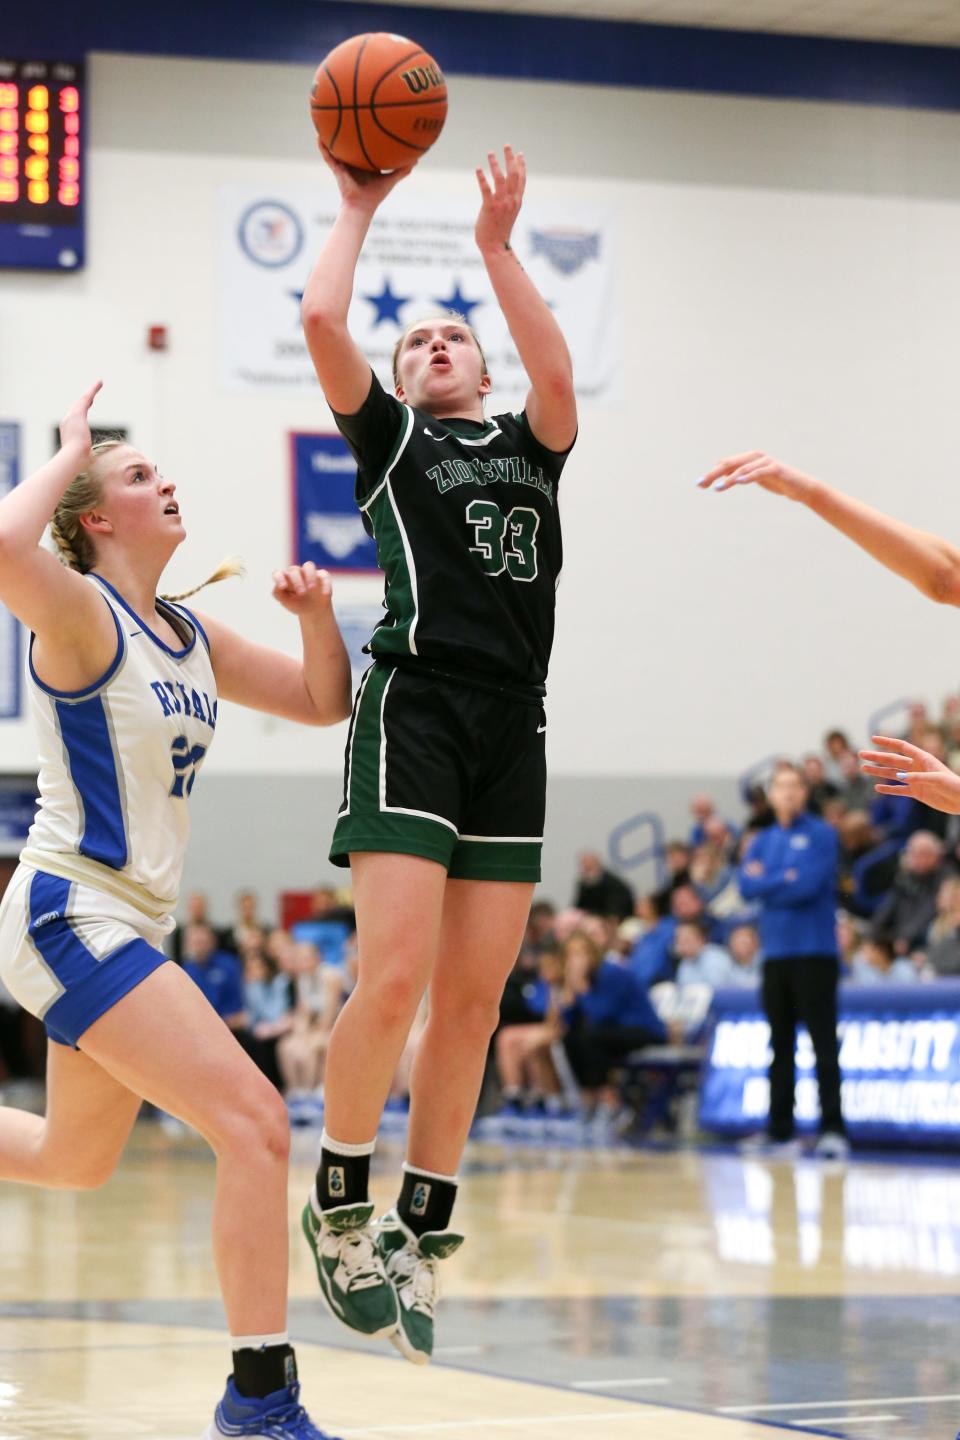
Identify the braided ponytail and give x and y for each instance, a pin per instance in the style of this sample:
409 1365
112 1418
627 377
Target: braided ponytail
74 546
233 565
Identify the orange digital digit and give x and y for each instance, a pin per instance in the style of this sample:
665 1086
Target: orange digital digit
42 182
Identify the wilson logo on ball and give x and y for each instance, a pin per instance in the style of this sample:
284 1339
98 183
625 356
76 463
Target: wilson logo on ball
425 77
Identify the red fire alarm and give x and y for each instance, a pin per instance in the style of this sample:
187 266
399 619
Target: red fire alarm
157 337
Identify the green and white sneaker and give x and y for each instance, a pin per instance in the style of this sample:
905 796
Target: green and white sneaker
353 1281
411 1264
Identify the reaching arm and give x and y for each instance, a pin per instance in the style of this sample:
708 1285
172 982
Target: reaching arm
905 769
75 632
312 691
551 405
929 563
342 368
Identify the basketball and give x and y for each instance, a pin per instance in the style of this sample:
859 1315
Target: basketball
378 101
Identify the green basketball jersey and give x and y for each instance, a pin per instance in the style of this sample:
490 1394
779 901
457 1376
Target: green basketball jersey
465 518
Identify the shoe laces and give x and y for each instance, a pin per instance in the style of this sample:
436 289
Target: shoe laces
291 1422
361 1263
420 1273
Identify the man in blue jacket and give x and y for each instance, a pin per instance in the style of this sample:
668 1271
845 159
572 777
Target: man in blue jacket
791 869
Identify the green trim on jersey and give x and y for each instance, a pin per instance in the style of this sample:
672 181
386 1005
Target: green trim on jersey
365 822
396 557
363 756
391 834
496 860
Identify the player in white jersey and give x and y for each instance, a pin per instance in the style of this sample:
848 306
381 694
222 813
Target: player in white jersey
123 690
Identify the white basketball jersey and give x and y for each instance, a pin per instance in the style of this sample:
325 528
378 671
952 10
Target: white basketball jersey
119 759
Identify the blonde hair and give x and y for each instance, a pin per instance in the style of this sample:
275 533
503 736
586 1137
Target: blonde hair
74 545
447 315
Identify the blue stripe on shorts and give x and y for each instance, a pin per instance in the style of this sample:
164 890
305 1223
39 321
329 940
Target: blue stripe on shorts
91 986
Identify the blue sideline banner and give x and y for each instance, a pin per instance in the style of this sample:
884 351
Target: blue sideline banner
9 627
327 527
899 1063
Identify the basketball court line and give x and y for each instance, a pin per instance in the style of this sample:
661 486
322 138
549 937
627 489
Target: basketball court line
617 1384
846 1420
748 1410
437 1427
637 1409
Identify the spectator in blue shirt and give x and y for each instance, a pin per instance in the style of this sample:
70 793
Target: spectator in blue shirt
266 995
791 868
651 959
217 973
708 824
743 943
701 963
876 964
607 1014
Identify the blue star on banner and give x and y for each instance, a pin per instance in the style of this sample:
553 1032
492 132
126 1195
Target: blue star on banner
458 301
387 304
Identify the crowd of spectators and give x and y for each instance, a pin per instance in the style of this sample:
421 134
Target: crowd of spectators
567 1027
616 976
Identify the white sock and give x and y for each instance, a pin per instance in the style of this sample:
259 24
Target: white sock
258 1342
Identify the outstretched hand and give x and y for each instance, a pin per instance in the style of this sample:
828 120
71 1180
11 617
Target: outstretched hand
500 205
905 769
363 187
75 425
303 589
755 468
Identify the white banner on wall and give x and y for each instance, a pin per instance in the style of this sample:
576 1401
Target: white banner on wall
419 256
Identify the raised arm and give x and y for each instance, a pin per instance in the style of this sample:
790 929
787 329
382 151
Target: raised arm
929 563
75 633
342 368
312 691
551 405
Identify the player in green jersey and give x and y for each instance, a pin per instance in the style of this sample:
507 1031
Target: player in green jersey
442 816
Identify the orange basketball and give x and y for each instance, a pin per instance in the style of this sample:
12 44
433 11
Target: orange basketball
378 101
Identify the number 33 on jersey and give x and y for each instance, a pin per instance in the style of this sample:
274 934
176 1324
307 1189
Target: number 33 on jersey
465 517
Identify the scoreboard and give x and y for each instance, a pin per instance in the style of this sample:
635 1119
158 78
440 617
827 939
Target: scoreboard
42 165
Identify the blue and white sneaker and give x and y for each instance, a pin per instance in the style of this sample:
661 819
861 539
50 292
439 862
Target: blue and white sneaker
279 1417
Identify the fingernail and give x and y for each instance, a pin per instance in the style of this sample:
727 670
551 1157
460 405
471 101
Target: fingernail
901 775
700 479
724 485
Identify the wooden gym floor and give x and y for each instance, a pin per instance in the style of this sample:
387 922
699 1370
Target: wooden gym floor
608 1294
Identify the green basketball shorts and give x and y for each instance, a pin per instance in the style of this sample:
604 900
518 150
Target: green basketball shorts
440 769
